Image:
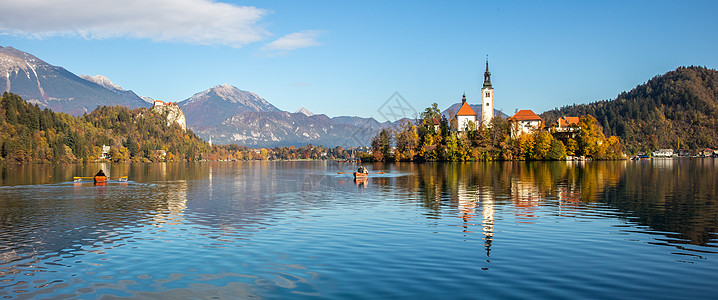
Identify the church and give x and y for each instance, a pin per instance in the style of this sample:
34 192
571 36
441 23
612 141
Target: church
466 114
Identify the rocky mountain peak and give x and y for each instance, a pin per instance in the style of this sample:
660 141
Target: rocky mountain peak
102 81
55 88
304 111
212 106
10 56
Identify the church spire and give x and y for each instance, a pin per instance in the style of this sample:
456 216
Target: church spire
487 75
463 99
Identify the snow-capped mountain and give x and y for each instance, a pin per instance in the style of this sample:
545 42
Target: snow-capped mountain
55 87
212 106
304 111
108 84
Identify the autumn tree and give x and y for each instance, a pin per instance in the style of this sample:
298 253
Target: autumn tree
381 145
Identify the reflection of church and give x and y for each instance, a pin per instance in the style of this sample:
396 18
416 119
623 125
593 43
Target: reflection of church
468 202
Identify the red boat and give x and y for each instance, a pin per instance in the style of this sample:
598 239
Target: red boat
361 175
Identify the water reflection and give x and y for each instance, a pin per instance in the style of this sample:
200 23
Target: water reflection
282 229
675 196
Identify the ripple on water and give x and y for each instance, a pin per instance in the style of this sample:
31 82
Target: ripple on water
244 236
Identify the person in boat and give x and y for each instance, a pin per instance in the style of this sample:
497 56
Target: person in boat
100 174
362 170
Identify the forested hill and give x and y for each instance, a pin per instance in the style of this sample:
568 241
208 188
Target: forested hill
678 109
29 134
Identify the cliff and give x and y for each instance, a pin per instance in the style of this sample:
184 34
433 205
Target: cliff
174 113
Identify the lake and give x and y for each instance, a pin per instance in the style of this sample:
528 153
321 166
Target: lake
228 230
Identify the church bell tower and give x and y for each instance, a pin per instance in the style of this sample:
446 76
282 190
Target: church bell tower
487 95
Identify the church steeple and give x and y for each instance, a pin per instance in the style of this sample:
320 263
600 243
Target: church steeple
463 99
487 75
487 98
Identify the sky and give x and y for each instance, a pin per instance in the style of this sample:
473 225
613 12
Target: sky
351 57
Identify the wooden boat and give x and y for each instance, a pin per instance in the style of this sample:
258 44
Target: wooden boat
360 175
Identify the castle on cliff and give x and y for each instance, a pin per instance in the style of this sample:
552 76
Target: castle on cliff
174 113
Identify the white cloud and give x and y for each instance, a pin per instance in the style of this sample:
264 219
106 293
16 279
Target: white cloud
203 22
293 41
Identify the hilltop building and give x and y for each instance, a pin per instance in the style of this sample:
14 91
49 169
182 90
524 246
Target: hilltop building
487 97
524 121
174 113
464 115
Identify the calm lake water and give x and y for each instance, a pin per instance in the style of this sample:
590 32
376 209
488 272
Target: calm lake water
599 230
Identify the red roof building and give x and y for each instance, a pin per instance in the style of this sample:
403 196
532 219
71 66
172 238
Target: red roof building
567 124
524 121
465 116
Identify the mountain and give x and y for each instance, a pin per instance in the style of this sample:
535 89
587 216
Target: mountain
361 122
281 128
213 106
675 110
108 84
56 88
304 111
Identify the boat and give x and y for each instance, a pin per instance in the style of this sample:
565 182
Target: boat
101 179
360 175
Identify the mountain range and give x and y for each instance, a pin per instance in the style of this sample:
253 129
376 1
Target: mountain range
55 88
674 110
224 112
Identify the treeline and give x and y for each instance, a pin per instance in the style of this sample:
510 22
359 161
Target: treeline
308 152
676 110
29 134
425 141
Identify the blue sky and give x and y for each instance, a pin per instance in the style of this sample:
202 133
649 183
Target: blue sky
348 58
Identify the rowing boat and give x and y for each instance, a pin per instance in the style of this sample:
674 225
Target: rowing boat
361 175
103 179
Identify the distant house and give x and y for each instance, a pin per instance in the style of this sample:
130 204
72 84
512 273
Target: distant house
437 124
105 152
524 121
464 116
663 153
567 124
707 152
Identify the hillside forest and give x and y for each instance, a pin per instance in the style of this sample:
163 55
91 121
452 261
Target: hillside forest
676 110
29 134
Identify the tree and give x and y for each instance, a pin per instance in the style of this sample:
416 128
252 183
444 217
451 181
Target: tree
590 136
557 151
407 140
381 145
526 146
571 147
542 144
